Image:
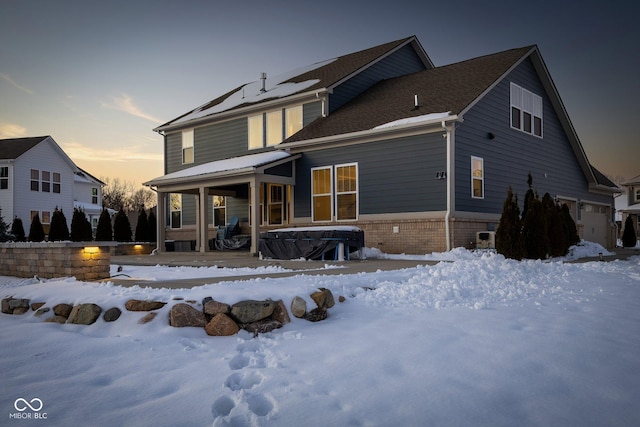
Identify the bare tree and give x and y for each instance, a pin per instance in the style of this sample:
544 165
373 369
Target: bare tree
118 194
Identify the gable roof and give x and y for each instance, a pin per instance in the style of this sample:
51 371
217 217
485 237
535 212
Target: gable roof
13 148
633 181
316 77
451 88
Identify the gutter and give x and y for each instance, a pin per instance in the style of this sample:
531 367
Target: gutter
450 135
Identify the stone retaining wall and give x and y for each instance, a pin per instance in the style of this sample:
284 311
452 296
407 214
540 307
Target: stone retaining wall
83 260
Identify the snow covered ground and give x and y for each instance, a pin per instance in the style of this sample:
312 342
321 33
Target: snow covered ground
479 341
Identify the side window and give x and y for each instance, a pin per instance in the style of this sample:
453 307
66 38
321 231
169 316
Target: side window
4 178
477 178
321 184
219 210
176 210
187 146
346 192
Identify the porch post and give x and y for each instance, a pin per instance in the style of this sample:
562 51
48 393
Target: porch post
255 212
203 221
161 223
198 240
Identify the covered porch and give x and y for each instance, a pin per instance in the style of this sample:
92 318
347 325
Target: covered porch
227 178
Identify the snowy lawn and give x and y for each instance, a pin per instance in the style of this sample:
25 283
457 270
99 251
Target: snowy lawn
477 341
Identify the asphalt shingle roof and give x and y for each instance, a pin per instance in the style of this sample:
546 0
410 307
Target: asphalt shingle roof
16 147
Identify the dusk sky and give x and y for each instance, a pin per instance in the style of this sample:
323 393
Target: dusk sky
99 76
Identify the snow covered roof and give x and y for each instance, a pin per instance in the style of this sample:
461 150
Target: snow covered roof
632 209
232 166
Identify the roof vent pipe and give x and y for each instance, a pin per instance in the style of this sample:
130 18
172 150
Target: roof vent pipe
263 77
415 102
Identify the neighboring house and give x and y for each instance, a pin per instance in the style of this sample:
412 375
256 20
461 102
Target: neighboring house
632 205
36 176
419 157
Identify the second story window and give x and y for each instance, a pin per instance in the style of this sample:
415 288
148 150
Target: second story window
271 128
187 146
94 196
526 111
292 120
46 181
4 178
56 182
35 180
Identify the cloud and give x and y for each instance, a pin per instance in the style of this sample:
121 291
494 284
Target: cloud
15 84
10 130
125 104
78 151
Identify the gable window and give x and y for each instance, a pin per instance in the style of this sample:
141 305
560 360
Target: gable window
4 178
35 180
56 182
176 210
94 196
321 203
346 192
477 178
187 146
526 111
46 181
219 210
271 128
292 120
275 203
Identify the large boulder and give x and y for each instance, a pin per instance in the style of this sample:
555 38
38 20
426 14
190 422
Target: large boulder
112 314
182 315
250 311
280 313
298 307
212 307
15 305
316 315
63 310
84 314
139 305
323 298
221 326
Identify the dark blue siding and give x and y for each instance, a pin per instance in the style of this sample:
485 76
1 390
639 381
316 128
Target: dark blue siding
512 154
404 61
393 176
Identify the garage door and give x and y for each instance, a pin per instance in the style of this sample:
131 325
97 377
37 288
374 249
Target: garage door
595 219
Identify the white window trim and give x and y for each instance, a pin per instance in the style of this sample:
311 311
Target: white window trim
481 178
356 192
188 142
213 204
520 96
330 194
272 203
171 211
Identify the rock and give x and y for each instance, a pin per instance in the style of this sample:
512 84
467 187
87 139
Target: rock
147 318
251 311
63 310
212 307
316 315
20 310
57 319
36 305
41 311
112 314
262 326
298 307
84 314
205 300
139 305
280 313
9 305
341 298
183 314
221 326
323 298
5 306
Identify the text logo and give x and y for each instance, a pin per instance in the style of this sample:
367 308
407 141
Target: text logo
35 405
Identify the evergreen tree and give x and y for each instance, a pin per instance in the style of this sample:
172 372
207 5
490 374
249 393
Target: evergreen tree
80 227
142 227
509 233
4 229
555 233
534 231
569 227
36 232
104 232
121 227
17 229
152 223
528 196
59 229
629 239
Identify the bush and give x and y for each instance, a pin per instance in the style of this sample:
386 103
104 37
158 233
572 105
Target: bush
152 224
36 232
508 235
121 227
629 239
59 229
80 227
17 229
555 234
142 227
5 235
569 227
104 232
534 231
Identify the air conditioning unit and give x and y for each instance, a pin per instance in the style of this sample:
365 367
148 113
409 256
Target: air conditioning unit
486 240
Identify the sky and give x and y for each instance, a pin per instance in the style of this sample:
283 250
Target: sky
99 76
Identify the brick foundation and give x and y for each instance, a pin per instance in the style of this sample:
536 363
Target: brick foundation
82 260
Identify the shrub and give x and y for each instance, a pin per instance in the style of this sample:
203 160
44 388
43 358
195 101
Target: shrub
36 232
17 229
152 223
569 227
508 235
4 230
121 227
59 229
629 239
104 232
80 227
142 227
534 231
555 233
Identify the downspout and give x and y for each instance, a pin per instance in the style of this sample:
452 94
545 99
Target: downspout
450 136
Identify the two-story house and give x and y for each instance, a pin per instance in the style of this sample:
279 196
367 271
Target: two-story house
37 176
632 203
419 157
